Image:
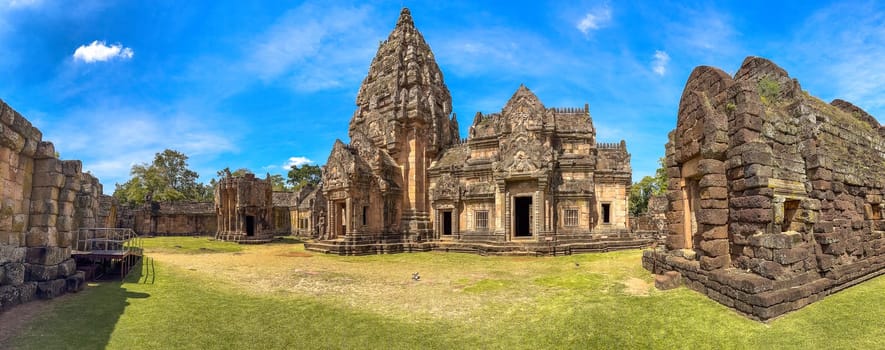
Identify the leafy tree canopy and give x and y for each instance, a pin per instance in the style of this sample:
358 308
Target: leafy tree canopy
649 186
277 180
167 178
236 173
305 175
279 183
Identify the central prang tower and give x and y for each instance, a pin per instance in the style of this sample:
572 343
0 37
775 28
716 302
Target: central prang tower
528 179
403 107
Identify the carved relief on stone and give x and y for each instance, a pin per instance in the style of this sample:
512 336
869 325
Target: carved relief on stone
523 153
480 188
446 188
338 167
576 186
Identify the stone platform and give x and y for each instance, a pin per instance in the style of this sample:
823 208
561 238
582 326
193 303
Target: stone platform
535 248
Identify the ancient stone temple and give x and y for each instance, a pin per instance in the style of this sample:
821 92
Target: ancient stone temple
530 179
297 213
530 173
45 201
775 197
244 209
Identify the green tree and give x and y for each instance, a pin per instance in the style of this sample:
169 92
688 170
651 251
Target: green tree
168 178
641 191
236 173
279 183
305 175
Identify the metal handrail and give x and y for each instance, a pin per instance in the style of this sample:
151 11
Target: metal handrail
120 239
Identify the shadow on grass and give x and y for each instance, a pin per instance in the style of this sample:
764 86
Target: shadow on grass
100 306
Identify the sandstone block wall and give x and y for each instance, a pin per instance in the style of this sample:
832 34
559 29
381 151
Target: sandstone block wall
775 197
40 211
169 218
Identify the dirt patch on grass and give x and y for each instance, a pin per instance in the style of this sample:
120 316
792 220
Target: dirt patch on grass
14 320
452 286
636 286
296 255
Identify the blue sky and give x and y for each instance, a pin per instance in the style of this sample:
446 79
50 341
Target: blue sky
262 85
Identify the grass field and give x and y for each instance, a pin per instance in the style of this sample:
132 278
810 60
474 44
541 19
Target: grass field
214 295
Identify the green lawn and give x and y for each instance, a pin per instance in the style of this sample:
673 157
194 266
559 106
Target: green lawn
227 296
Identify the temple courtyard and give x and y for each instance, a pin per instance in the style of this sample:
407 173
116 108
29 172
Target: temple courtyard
197 293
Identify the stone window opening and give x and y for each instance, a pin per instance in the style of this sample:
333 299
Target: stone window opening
342 219
791 211
365 215
570 217
876 211
606 213
481 219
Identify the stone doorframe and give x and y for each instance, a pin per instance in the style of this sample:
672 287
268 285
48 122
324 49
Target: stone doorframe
690 190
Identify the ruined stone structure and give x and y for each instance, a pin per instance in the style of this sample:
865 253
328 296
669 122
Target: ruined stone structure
653 223
283 220
169 218
775 197
296 213
530 178
308 212
45 200
244 209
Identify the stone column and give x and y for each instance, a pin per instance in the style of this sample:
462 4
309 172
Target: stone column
348 216
456 221
540 209
501 206
330 219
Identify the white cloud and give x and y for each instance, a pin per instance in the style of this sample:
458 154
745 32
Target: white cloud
703 31
21 3
98 51
120 136
296 162
315 47
595 19
660 61
514 52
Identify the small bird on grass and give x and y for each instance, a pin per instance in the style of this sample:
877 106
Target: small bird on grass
416 276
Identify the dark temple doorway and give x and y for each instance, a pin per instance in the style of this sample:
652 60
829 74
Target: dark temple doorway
522 214
250 225
446 223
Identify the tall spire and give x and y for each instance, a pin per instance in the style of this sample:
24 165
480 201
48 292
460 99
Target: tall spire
403 89
405 18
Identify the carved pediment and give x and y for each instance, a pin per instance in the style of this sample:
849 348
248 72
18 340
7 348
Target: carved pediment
446 187
343 166
366 149
524 153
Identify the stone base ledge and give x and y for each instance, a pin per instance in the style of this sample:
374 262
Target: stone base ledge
754 296
553 248
12 295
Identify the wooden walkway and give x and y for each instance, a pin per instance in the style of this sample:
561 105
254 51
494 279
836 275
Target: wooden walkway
101 251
